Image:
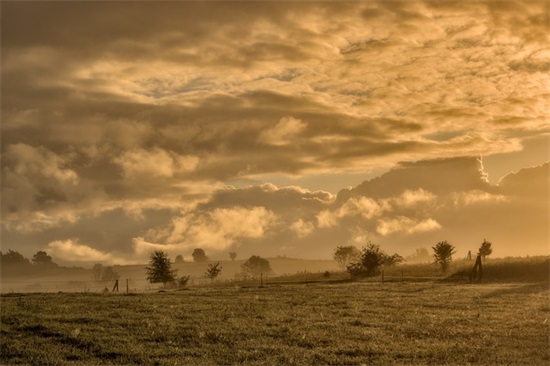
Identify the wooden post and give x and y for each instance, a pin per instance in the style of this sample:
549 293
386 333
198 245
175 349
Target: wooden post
127 288
477 271
115 287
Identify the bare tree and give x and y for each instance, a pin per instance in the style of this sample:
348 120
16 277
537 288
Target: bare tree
213 270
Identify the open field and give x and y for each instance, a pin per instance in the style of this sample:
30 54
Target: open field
322 323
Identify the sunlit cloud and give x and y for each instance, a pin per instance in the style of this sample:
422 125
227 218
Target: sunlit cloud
72 251
149 120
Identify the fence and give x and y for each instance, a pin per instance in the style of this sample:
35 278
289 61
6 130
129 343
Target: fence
142 285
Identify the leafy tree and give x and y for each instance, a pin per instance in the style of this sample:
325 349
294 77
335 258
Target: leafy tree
232 255
13 258
369 262
160 268
344 255
256 265
179 259
213 271
392 260
199 255
42 258
485 249
443 254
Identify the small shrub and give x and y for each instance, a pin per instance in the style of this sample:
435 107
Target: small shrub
183 280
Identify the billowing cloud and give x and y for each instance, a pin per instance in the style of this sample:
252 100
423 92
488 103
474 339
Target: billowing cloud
72 251
153 116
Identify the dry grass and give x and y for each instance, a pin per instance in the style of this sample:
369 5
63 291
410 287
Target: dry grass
322 323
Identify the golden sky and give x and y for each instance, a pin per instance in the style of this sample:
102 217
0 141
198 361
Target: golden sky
273 128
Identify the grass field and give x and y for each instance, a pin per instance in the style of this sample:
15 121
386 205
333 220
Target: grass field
316 324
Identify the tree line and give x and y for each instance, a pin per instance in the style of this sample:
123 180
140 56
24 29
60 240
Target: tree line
161 270
369 261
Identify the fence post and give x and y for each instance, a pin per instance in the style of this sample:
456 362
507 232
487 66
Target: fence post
127 288
115 287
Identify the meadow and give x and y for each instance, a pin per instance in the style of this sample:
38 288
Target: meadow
322 323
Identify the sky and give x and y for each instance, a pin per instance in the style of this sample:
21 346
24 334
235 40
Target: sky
273 128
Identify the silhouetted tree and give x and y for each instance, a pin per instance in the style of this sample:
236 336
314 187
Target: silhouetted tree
232 255
12 257
369 262
42 258
443 254
199 255
213 270
179 259
256 265
160 268
485 249
344 255
392 260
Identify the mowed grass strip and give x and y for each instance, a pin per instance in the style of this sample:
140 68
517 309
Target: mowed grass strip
329 324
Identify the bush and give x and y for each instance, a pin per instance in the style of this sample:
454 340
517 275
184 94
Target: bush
369 263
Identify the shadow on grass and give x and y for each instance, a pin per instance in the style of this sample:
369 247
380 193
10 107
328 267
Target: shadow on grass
524 289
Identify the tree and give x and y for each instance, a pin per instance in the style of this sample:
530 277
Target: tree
109 274
443 254
232 255
13 258
370 260
97 272
345 255
420 255
485 249
256 265
179 259
213 270
160 268
42 258
392 260
199 255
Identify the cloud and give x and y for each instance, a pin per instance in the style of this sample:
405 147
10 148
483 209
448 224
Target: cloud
282 133
158 113
215 230
435 176
155 163
405 224
71 251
